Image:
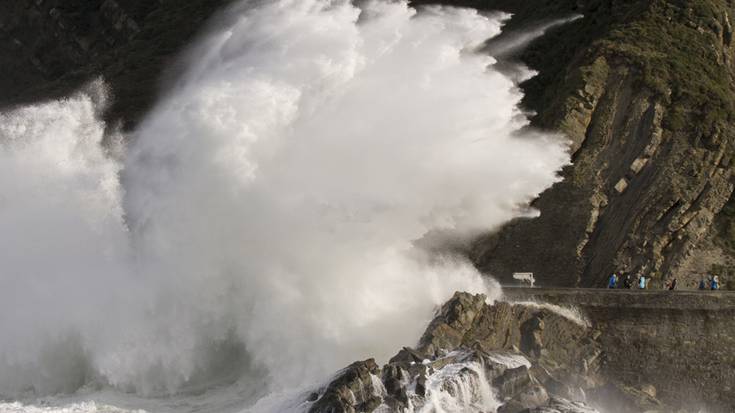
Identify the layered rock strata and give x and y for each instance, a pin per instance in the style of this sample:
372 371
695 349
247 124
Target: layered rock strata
503 357
644 90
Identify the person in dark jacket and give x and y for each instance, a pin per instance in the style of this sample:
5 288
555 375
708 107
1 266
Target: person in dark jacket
672 284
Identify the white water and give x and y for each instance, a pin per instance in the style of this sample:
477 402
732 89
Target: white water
570 313
260 225
520 40
460 387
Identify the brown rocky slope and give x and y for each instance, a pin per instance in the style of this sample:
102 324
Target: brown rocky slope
644 90
535 358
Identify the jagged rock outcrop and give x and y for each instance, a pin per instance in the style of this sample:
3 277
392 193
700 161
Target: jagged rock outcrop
632 352
503 357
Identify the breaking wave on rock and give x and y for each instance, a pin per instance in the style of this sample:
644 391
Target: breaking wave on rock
263 225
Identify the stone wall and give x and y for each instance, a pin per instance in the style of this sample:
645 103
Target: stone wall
681 343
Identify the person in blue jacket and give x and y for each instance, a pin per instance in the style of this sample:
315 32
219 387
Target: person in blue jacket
642 282
715 284
612 282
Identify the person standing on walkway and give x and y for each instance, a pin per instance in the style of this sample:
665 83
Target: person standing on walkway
702 284
715 285
672 284
612 282
642 282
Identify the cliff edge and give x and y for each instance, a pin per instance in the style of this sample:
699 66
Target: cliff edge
644 91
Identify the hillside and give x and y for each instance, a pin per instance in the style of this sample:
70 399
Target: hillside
644 90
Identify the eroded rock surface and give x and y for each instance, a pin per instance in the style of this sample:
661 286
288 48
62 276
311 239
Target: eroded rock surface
481 357
644 90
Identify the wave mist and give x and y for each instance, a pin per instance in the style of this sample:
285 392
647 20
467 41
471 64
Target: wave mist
262 220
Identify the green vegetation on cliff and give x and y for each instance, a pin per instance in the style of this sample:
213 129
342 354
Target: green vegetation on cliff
674 45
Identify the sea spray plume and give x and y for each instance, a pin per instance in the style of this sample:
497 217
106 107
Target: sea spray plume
63 241
288 174
273 196
515 41
507 47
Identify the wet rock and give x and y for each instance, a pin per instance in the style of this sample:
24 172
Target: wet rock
531 398
468 347
455 319
531 336
512 381
559 405
353 390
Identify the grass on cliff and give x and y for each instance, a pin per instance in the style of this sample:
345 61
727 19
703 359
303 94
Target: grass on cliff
675 46
672 45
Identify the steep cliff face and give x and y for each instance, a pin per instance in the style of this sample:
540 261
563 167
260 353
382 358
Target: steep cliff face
644 90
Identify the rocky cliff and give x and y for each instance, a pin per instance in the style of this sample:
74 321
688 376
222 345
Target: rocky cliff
521 356
644 90
469 349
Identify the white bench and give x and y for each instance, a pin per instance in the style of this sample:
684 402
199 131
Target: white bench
524 277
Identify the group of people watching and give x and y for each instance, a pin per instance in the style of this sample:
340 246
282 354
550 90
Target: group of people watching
641 282
711 283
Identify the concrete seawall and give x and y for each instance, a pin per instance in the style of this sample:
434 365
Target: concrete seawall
682 342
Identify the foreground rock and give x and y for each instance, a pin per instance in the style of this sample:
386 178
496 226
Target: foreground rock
508 358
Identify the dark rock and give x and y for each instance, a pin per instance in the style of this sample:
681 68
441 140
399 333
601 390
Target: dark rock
559 405
531 336
531 398
476 342
408 355
455 319
512 381
353 390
